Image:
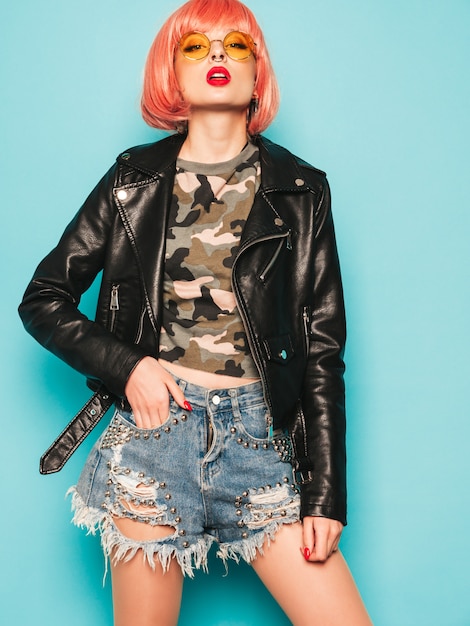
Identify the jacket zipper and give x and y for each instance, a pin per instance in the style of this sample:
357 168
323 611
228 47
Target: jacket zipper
306 321
253 347
288 238
113 306
140 328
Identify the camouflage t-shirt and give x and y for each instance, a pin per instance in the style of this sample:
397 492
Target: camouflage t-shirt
202 328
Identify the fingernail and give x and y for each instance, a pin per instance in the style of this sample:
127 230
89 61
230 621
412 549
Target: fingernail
306 554
187 406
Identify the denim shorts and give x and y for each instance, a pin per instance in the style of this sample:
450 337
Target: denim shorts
215 473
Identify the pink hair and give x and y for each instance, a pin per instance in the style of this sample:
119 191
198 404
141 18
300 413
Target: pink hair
161 104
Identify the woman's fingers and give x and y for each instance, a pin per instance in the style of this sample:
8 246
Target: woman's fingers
308 537
177 393
321 537
148 392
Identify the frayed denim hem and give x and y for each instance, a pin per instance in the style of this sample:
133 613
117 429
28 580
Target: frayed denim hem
248 549
118 547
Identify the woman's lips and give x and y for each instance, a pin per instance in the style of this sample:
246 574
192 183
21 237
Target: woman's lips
218 76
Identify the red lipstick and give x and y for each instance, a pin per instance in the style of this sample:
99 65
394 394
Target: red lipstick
218 76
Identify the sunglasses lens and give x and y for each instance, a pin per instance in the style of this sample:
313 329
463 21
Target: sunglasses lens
238 45
195 46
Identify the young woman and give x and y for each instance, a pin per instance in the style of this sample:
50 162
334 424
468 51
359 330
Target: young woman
219 333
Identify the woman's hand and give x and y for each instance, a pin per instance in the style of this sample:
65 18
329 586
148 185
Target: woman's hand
148 392
321 537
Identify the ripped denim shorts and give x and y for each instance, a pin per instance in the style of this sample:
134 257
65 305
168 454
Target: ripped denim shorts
212 474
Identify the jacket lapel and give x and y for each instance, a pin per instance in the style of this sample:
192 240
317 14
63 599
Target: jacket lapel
144 207
279 173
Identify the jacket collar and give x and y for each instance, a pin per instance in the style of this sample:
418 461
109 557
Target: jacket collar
279 169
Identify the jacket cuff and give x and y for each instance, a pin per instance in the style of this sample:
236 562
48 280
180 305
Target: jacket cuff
117 382
319 510
311 508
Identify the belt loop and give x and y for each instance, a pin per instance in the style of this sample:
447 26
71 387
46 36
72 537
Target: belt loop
182 384
234 395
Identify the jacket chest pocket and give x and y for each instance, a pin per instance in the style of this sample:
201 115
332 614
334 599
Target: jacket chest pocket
279 349
114 312
284 240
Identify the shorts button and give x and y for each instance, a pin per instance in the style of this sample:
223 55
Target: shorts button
216 400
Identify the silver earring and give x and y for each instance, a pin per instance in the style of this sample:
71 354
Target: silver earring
182 127
253 110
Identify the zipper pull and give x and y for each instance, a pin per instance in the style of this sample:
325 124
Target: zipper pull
306 319
114 304
269 424
289 240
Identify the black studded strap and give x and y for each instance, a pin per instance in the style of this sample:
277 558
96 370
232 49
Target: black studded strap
56 456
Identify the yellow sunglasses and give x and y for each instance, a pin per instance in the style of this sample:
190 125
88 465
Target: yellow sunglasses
196 46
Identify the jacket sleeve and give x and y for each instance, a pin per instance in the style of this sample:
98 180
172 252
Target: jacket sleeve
49 309
319 435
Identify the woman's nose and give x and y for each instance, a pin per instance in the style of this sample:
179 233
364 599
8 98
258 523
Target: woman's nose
217 50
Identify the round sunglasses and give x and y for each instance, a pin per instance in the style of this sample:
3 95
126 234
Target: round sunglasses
196 46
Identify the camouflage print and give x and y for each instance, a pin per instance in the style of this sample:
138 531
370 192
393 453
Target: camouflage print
202 328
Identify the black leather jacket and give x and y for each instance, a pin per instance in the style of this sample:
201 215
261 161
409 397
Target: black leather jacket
286 281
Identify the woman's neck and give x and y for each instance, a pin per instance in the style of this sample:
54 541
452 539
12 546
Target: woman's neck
215 138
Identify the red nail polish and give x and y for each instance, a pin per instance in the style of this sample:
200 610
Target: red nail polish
306 554
187 406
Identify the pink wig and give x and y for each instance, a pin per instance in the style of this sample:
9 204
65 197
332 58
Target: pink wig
162 104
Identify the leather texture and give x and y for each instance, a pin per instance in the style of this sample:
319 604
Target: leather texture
59 452
286 280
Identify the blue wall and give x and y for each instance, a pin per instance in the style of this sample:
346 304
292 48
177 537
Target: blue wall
376 93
